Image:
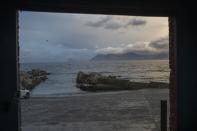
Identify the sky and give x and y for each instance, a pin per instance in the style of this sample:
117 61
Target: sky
57 37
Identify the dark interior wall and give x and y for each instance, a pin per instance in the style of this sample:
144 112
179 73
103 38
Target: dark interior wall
186 67
8 86
123 7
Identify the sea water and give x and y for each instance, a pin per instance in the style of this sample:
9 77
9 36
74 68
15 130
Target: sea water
62 80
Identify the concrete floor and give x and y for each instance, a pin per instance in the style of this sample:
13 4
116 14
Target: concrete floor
137 110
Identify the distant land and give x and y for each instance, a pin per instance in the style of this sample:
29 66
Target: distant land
131 56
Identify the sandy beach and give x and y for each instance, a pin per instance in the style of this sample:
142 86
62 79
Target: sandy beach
136 110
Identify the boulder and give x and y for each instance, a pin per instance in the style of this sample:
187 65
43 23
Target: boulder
91 78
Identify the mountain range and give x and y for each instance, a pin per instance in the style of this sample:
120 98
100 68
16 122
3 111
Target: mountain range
130 56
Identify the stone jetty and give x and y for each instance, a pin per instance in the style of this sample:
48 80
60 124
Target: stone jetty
30 79
97 82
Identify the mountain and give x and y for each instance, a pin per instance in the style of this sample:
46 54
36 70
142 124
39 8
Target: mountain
130 56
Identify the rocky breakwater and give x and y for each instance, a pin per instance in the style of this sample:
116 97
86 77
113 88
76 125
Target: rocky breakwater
96 82
30 79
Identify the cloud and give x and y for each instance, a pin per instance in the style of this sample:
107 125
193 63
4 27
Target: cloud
114 22
101 22
158 46
137 47
113 26
110 50
136 22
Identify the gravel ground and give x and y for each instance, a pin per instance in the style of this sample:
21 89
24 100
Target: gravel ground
137 110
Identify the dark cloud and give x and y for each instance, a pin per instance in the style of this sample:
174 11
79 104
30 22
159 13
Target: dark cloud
113 26
100 22
112 23
160 44
137 22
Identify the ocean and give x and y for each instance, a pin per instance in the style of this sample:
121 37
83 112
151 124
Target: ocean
62 80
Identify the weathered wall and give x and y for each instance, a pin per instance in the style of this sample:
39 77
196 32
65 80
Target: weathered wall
8 104
173 86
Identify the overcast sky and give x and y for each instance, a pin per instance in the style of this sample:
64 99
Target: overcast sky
56 37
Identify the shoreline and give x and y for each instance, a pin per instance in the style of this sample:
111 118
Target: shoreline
86 93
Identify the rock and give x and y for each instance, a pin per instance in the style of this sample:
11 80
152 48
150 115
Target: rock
38 72
96 82
30 79
91 78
